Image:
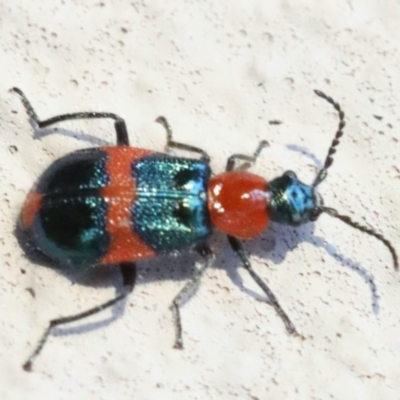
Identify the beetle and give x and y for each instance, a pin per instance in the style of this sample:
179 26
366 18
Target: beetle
121 204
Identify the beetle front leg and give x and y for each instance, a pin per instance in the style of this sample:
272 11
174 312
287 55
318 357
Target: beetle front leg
238 248
230 165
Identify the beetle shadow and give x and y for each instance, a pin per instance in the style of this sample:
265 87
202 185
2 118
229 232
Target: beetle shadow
165 267
280 241
89 276
307 153
331 249
39 133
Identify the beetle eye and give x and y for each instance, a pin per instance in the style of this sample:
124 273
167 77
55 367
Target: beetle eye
290 174
314 214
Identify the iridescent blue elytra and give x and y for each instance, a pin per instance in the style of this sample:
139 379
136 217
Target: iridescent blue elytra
170 212
70 225
83 194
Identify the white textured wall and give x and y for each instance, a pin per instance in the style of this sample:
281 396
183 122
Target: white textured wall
220 71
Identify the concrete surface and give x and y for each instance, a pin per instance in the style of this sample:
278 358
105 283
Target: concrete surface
220 71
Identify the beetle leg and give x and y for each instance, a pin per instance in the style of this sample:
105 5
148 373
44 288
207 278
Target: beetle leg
186 291
120 125
230 165
181 146
238 248
128 271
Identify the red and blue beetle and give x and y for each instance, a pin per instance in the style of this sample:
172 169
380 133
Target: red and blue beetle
120 204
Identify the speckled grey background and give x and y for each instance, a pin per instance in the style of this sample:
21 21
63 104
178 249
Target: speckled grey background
220 71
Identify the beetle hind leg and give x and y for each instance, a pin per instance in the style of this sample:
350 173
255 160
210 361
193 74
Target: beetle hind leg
119 123
128 271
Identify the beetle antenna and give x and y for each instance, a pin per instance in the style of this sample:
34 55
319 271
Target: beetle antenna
369 231
332 150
